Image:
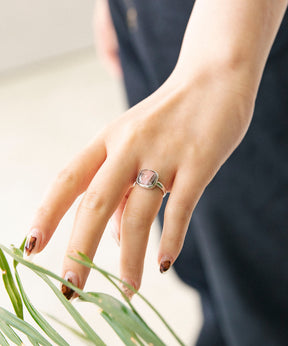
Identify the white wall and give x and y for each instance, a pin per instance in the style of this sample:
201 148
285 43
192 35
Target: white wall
33 30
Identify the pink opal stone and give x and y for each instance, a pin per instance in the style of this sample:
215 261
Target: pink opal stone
147 178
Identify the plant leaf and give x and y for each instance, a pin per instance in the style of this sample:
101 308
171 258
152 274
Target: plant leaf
122 316
3 340
87 262
10 286
128 337
89 332
69 307
85 296
149 335
71 329
23 326
90 264
19 251
10 333
38 318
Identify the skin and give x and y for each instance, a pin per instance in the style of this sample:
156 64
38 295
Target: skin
106 39
185 131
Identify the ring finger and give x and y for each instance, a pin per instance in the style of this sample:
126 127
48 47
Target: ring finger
140 211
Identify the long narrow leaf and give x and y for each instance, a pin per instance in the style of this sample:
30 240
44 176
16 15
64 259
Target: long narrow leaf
10 286
23 326
90 264
150 336
19 251
141 323
129 338
87 262
3 340
71 329
89 332
122 316
10 333
33 341
69 307
38 318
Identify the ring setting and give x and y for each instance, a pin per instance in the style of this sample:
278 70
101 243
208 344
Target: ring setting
149 179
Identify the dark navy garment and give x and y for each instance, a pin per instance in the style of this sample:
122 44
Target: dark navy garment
236 249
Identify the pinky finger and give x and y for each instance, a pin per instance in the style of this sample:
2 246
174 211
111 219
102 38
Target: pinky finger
178 212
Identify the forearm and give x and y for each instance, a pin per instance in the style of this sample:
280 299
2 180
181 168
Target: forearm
230 36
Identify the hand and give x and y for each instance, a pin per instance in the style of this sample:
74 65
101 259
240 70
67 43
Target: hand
106 39
184 131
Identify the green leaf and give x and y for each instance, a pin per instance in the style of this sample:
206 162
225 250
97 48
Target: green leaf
69 307
123 317
71 329
10 333
128 337
148 334
38 318
87 262
18 252
90 264
33 341
3 340
89 332
23 326
10 286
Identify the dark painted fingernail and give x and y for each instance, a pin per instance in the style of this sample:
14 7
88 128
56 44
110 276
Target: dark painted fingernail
165 265
31 243
67 291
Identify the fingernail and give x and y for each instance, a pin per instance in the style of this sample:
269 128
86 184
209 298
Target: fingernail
31 243
126 290
165 264
67 291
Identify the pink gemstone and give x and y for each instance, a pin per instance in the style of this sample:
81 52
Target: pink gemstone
147 177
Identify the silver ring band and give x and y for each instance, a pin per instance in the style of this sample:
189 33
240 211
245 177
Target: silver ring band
149 179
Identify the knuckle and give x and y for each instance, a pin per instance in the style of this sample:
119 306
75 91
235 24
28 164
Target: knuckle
95 202
137 219
135 131
67 177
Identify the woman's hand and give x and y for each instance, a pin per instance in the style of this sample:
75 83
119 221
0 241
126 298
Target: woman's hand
184 132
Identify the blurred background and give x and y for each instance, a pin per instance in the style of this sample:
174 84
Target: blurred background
54 96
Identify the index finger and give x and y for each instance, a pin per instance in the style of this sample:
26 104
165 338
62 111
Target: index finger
68 185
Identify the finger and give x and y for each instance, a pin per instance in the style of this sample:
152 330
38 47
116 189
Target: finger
70 183
140 211
102 197
181 203
115 221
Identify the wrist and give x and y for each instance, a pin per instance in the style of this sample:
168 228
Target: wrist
222 76
226 71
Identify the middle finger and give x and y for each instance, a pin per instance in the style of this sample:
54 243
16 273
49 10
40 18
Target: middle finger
102 197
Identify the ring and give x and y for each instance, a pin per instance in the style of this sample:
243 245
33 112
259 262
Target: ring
149 179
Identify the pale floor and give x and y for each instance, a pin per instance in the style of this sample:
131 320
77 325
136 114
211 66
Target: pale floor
48 112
